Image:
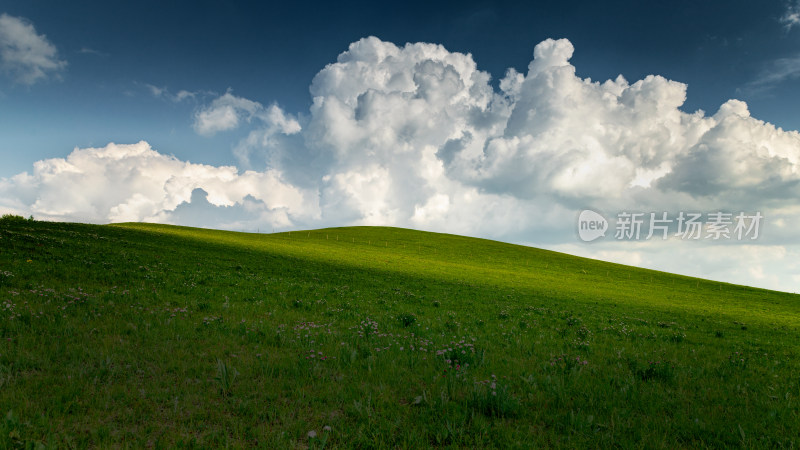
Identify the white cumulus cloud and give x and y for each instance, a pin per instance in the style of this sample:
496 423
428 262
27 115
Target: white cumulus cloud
26 56
119 183
228 111
224 113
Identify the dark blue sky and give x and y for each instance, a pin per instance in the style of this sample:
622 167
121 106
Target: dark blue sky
270 53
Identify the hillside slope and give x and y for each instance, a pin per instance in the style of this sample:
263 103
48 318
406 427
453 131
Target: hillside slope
161 335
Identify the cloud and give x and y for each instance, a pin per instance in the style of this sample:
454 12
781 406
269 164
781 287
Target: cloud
429 122
228 111
740 160
767 266
224 113
417 136
26 56
791 17
163 92
120 183
776 72
91 51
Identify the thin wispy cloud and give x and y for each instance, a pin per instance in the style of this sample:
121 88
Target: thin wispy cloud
91 51
165 93
779 71
26 56
791 17
773 75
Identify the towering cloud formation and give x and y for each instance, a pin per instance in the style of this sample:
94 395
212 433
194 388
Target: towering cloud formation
417 136
396 130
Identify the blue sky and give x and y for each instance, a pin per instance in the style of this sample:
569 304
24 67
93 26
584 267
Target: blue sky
217 84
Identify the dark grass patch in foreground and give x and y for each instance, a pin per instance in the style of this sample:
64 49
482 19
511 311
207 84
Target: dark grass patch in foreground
148 335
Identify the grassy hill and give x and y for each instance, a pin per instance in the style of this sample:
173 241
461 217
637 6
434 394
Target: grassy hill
140 335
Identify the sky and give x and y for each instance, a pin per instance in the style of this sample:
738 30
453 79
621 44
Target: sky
487 119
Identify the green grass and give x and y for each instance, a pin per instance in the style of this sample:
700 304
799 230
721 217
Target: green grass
139 335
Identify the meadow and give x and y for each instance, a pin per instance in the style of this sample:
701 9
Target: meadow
142 335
